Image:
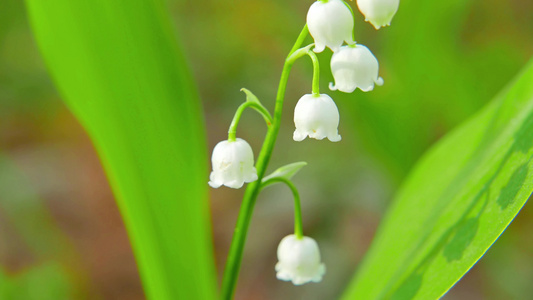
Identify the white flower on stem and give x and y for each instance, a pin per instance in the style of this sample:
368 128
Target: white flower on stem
354 66
233 164
299 260
316 116
378 12
330 23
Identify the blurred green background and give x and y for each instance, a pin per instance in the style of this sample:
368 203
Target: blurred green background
60 231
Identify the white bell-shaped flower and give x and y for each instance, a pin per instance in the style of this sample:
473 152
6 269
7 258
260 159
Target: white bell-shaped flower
316 116
299 260
354 66
233 164
330 23
378 12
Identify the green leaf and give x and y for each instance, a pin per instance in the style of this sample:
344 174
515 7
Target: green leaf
455 203
287 171
43 282
47 281
121 72
5 284
250 97
25 212
28 215
257 106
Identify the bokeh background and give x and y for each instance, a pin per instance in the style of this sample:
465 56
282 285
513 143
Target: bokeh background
61 231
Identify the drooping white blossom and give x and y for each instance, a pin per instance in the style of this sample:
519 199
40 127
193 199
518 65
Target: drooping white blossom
354 66
378 12
233 164
316 116
330 23
299 260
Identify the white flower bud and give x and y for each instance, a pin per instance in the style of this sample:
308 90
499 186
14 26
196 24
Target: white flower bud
354 67
378 12
316 116
330 23
299 260
233 164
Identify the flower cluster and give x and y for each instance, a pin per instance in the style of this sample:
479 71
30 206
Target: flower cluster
353 66
331 25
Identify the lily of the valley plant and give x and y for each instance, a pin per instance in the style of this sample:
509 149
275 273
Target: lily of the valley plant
331 24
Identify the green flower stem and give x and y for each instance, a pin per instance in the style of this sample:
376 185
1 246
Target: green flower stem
237 117
298 227
299 40
316 72
234 260
316 65
353 18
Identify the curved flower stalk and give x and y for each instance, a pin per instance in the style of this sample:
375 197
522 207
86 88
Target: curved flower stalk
233 159
299 260
378 12
354 66
298 255
316 116
233 164
330 24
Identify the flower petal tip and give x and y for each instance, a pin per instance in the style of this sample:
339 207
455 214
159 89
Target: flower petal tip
335 139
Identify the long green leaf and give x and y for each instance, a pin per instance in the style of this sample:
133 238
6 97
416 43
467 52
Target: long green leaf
26 212
117 65
460 197
4 284
46 281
